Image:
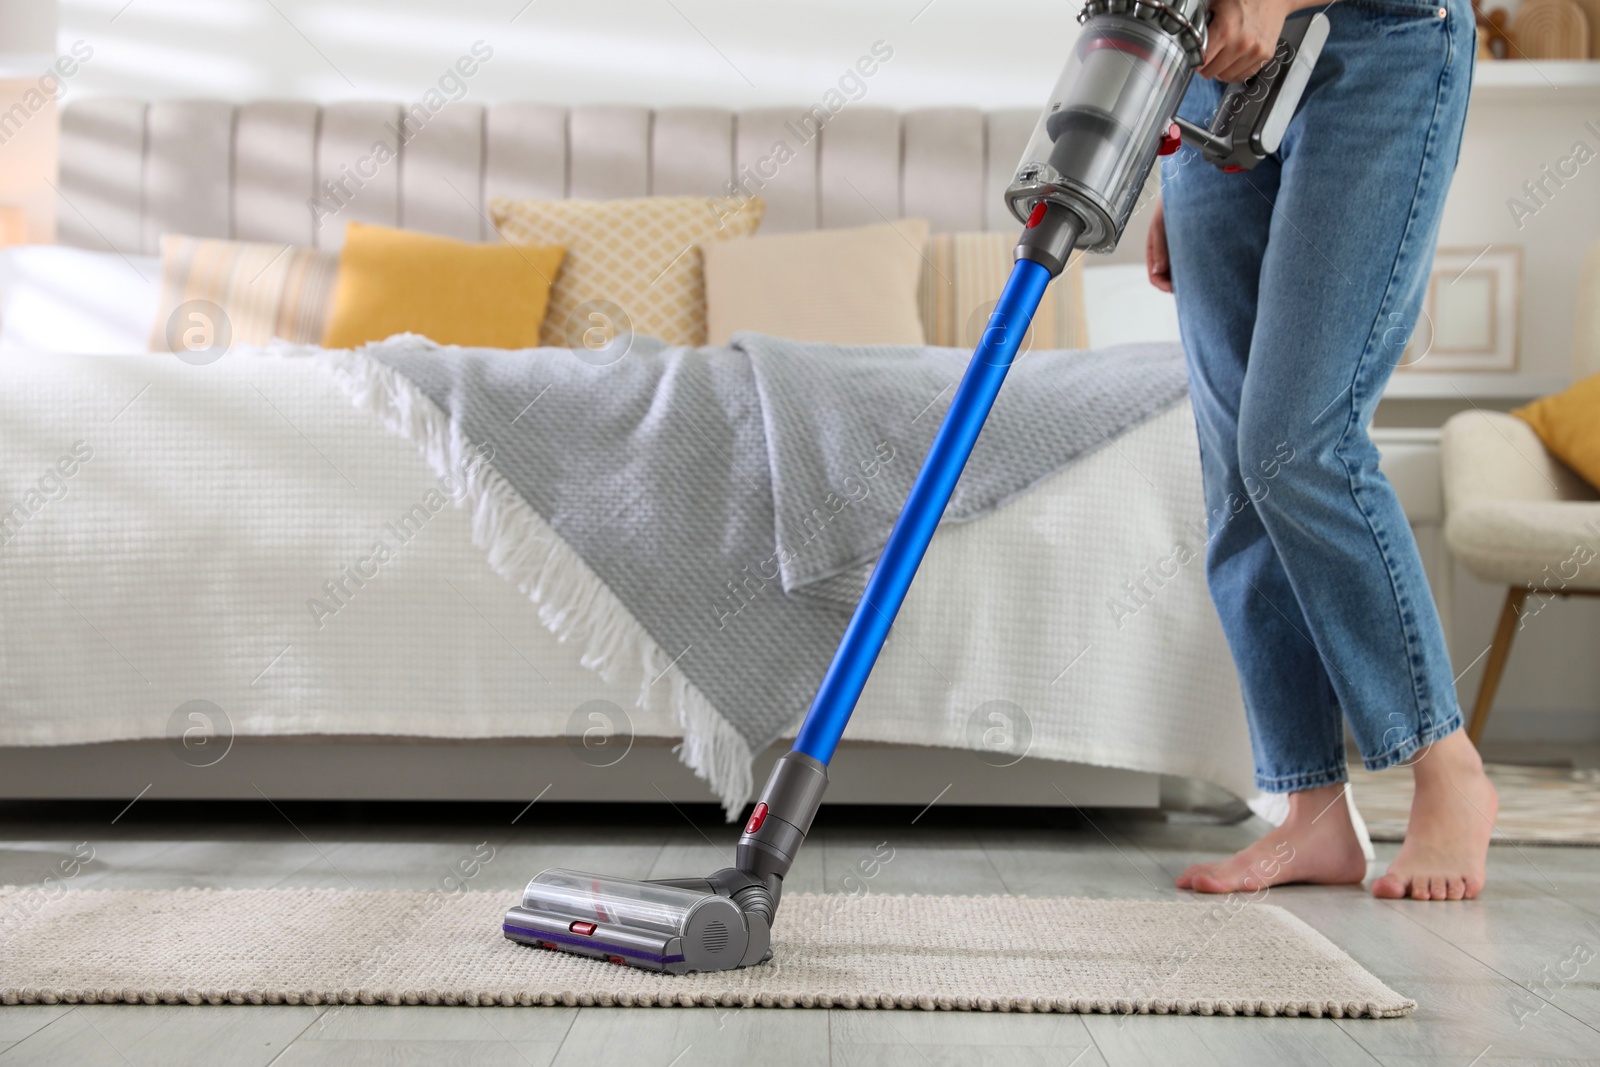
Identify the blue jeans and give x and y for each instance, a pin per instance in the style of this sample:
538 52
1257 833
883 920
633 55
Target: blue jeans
1298 283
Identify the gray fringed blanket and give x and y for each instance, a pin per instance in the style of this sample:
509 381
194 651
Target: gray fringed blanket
732 499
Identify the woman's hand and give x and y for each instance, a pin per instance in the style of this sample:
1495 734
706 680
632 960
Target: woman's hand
1156 261
1242 36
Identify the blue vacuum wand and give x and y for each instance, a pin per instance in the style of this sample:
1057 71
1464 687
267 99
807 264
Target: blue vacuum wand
1111 114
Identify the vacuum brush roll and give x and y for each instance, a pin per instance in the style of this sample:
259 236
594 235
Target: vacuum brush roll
676 928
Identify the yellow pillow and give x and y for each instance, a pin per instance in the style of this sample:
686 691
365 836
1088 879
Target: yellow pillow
638 257
264 290
1569 425
848 287
452 292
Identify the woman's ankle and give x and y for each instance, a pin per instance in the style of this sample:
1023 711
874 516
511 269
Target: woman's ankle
1319 805
1448 758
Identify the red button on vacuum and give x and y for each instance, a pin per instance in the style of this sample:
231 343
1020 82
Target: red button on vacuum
580 927
759 816
1231 169
1171 141
1038 214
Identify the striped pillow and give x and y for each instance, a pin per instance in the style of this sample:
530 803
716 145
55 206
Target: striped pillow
265 290
962 279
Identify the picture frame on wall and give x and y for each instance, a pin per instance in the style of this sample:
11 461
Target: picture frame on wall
1472 314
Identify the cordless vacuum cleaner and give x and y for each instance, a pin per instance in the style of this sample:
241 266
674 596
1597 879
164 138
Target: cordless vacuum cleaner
1111 114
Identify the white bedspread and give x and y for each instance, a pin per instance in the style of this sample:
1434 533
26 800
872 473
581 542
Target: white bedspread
181 560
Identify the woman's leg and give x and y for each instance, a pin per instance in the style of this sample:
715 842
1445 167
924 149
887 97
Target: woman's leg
1357 203
1217 230
1217 226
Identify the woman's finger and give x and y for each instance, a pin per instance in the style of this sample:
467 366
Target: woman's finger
1234 50
1251 60
1233 54
1160 273
1239 66
1238 71
1223 37
1158 264
1214 52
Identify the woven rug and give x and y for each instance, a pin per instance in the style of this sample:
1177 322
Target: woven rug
325 946
1538 805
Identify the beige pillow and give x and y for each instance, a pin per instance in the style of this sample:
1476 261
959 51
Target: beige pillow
265 290
640 256
962 282
855 286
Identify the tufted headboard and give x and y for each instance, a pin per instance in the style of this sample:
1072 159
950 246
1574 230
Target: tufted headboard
132 170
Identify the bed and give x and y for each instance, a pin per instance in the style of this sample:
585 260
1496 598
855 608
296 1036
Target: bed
160 590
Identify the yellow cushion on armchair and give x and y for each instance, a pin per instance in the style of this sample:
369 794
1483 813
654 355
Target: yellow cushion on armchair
1569 425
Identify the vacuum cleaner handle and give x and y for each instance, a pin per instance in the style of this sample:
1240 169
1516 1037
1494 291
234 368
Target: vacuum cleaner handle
1253 114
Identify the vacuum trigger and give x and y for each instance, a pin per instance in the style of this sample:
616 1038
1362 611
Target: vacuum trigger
1171 141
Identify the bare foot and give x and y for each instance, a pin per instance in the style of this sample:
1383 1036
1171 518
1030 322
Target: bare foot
1447 838
1317 843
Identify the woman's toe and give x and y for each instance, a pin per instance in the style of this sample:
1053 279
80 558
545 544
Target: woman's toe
1389 887
1456 889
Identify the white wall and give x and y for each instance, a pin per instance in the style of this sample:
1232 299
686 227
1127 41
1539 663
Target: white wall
1509 138
728 53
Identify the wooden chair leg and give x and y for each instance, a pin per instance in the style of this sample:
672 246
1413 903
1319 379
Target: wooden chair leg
1499 652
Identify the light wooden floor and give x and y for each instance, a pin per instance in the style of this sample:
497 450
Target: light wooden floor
1496 978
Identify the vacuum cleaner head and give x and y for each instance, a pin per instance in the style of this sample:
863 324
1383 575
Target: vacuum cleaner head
698 924
680 925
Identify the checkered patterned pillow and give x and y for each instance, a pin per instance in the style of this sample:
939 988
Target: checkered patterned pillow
640 255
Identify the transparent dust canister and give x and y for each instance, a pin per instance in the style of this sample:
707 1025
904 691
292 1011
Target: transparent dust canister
1122 84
